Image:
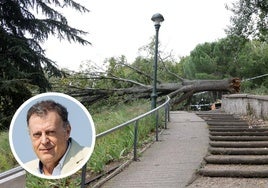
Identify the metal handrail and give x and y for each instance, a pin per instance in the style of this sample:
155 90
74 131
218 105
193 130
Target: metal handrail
13 177
134 120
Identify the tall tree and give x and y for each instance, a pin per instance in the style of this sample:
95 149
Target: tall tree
253 62
250 19
23 64
215 60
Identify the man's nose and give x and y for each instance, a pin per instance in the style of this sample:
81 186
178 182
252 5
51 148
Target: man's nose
44 138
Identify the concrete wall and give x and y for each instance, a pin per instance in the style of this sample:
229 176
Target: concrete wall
244 104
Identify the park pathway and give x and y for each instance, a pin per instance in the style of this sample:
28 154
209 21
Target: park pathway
173 160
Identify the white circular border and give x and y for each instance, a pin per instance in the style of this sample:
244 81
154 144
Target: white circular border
51 94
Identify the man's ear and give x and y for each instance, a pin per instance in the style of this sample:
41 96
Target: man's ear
68 131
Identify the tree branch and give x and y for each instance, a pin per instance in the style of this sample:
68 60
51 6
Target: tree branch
173 74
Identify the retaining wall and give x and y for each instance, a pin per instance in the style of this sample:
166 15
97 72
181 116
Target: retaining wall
244 104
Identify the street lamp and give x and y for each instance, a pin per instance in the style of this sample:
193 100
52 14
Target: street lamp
157 19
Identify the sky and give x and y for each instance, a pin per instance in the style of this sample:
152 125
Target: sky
121 27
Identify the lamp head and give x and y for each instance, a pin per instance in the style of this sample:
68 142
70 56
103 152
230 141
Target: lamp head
157 18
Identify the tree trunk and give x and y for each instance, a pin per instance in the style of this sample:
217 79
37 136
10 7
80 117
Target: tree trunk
177 91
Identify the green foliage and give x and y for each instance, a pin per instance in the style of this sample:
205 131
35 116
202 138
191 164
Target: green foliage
203 58
205 76
23 63
117 68
217 59
188 67
252 60
228 57
7 160
262 90
35 182
115 146
145 65
250 19
232 56
139 71
251 88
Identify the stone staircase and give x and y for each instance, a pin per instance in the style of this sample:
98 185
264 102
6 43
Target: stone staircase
236 149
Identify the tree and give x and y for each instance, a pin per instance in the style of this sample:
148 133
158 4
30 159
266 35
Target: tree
23 64
250 19
127 82
215 60
252 61
217 66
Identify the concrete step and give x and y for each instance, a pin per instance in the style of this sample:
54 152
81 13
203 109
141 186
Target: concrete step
252 144
225 118
238 138
242 171
238 151
222 118
237 159
236 148
238 129
213 114
245 133
227 123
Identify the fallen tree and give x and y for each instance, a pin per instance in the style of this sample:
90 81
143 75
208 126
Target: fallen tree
178 92
121 86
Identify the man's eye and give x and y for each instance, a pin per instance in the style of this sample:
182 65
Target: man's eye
37 135
50 133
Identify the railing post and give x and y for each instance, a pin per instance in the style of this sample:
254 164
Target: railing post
166 116
168 105
135 140
83 176
156 125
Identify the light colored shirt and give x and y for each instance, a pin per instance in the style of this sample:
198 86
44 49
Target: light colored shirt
74 160
57 169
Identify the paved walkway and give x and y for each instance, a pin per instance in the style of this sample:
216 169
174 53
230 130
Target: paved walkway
173 160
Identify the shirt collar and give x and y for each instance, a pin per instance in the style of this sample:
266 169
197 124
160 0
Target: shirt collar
57 169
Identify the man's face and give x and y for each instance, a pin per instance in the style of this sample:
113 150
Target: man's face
49 137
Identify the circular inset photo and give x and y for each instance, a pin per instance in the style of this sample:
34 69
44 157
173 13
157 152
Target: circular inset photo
52 135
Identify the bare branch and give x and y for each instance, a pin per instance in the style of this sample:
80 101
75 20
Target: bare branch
173 74
182 98
112 78
119 79
139 71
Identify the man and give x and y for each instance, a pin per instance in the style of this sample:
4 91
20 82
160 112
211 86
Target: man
49 130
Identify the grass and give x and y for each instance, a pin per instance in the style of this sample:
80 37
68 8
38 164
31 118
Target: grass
115 146
250 88
35 182
7 160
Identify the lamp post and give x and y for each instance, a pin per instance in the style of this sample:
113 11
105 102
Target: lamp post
157 19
